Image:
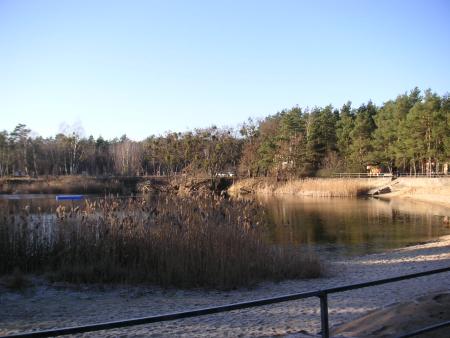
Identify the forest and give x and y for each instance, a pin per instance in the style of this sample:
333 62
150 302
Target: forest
408 134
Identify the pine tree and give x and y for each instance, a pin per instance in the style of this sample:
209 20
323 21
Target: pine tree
361 136
420 137
344 127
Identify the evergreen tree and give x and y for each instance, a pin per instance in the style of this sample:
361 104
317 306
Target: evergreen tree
361 136
344 128
445 111
420 134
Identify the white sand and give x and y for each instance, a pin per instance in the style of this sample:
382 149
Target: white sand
48 306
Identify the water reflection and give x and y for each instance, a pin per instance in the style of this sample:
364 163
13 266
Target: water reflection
38 202
350 226
331 226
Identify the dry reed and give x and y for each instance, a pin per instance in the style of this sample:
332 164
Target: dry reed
316 187
60 185
167 240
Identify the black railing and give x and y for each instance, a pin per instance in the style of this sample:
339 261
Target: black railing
362 175
390 175
321 294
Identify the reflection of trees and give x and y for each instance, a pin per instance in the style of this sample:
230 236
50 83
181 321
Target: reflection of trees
347 222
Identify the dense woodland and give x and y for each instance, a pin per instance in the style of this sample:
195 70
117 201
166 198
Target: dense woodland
409 134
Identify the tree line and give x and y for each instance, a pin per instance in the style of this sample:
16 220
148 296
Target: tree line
410 133
206 151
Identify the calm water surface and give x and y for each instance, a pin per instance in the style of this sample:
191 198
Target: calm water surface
350 226
332 227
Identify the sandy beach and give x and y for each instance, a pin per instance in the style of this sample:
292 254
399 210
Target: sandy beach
45 305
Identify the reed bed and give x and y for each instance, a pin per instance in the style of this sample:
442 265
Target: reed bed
166 240
60 185
328 187
316 187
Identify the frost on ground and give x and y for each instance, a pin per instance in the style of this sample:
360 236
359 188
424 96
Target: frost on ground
47 305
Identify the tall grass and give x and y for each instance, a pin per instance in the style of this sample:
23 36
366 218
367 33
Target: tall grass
316 187
60 184
170 241
328 187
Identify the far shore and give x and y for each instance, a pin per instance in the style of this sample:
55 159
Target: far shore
426 190
433 190
70 184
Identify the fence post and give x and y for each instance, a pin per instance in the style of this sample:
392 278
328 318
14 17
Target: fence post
324 315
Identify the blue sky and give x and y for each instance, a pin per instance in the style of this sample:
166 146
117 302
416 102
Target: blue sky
146 67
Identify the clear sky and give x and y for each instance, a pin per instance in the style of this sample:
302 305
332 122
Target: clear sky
145 67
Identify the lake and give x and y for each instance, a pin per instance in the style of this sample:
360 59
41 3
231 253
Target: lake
351 226
331 227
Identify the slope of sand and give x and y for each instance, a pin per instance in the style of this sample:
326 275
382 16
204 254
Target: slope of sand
56 305
404 317
430 190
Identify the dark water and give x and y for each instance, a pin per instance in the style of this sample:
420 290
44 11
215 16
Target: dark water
349 226
332 227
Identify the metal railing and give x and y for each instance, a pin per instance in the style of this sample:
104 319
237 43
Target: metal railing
321 294
384 175
362 175
441 174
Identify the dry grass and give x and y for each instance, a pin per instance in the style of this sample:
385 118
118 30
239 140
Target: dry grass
316 187
328 187
254 185
59 185
170 241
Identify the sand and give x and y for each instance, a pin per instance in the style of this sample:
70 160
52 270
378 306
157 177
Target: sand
47 305
404 317
433 191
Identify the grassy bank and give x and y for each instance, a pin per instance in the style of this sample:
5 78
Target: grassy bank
203 242
316 187
62 185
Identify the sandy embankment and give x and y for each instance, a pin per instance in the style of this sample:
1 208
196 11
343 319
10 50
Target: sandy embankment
429 190
409 316
51 305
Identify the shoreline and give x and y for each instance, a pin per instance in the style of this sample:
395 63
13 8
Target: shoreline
427 190
434 191
47 305
425 200
314 187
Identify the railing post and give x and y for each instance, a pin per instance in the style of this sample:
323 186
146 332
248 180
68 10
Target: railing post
324 315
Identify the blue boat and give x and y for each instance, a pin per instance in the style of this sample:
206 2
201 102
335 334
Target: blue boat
69 197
